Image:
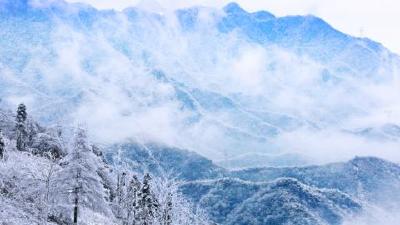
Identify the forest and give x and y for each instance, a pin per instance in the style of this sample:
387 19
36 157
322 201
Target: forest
49 176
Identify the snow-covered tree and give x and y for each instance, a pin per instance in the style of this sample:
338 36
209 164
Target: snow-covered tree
173 208
32 130
21 132
148 204
167 212
121 195
49 182
132 200
46 144
128 205
81 181
2 146
121 187
41 182
156 201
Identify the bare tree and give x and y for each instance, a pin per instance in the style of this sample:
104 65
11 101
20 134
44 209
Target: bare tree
48 175
173 208
40 182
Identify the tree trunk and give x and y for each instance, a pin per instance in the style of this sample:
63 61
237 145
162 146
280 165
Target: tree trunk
76 202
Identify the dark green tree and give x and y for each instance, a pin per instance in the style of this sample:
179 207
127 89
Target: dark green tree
2 146
21 132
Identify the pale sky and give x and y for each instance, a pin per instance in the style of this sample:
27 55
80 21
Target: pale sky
375 19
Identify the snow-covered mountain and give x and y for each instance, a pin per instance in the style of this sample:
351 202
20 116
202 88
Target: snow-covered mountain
189 95
283 201
222 82
165 161
325 194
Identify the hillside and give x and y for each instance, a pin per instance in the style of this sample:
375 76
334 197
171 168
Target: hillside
284 201
323 194
56 178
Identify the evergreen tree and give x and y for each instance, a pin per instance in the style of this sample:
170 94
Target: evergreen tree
147 204
21 133
132 201
2 146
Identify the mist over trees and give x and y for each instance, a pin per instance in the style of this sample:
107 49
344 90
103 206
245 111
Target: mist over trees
51 178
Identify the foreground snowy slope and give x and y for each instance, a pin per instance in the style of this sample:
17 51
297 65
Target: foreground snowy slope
37 182
50 177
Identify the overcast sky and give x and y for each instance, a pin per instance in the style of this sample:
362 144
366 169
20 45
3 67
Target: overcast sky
376 19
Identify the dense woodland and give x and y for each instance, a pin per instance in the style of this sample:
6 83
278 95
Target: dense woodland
50 177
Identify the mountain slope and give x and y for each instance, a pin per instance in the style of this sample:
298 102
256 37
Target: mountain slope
284 201
365 178
222 82
306 35
164 161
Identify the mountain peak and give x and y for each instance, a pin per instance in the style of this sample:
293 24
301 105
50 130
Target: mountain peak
263 15
234 8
